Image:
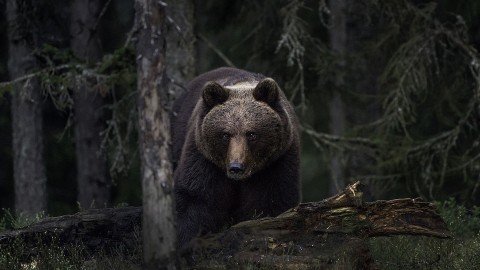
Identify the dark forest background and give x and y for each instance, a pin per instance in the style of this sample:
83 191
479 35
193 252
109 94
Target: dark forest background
387 92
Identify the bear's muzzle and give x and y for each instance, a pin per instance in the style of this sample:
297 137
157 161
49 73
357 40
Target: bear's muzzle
237 152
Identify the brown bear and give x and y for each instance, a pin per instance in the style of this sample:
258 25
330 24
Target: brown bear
235 151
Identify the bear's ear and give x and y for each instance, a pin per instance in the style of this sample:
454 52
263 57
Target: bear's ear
214 94
266 91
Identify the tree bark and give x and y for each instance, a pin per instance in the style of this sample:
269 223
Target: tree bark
93 179
338 43
326 234
27 126
180 44
159 236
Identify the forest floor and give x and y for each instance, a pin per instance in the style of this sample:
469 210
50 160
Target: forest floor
393 252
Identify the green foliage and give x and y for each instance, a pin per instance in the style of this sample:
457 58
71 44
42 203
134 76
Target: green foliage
9 220
120 135
51 56
461 221
120 61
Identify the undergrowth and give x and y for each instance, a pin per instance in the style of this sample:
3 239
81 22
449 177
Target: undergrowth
55 256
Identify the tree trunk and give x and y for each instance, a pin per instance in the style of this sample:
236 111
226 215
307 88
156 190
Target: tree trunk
27 126
181 44
93 180
159 236
365 67
338 43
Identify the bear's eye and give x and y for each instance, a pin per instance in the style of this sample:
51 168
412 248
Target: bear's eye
225 136
251 136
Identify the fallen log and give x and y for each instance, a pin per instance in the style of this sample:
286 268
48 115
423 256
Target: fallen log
325 234
315 234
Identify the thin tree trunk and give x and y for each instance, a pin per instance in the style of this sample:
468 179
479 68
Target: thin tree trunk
338 38
29 166
180 43
159 236
93 180
364 70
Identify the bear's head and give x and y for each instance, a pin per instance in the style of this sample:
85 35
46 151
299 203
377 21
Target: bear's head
243 128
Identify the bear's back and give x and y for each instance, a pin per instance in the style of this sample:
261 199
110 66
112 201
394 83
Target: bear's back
185 104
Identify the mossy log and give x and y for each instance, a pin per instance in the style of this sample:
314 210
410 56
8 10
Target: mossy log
316 234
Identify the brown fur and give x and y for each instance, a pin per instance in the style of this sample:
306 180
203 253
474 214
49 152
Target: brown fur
233 116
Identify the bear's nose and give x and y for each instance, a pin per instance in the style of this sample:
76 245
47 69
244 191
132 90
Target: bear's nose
236 168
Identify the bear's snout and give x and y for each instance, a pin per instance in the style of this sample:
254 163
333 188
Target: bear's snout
236 168
236 159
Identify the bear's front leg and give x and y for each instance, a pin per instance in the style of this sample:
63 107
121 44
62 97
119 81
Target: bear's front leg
203 203
196 218
272 191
